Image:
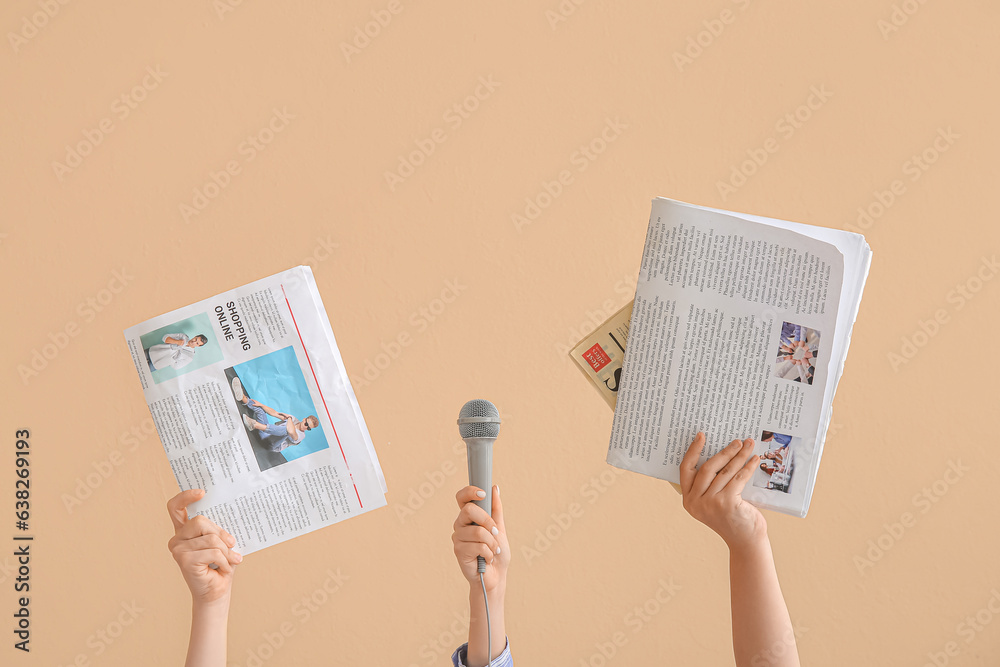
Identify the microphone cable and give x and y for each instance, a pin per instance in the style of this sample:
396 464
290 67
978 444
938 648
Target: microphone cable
481 566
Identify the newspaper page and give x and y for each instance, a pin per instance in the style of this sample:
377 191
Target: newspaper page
731 333
252 403
600 356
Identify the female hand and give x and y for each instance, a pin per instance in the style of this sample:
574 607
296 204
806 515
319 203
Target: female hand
197 543
478 534
712 492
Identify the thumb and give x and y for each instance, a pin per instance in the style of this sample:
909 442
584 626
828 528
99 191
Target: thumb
177 506
498 508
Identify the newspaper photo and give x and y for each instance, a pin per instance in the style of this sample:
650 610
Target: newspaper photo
252 403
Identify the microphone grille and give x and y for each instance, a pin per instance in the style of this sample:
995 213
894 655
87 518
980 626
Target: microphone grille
486 429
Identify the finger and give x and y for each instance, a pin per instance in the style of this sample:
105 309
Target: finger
474 514
498 509
208 542
202 525
689 464
203 560
743 475
712 466
468 551
471 550
208 557
177 506
730 469
197 527
477 534
468 494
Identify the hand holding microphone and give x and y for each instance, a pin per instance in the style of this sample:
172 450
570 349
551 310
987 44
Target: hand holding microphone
479 426
480 536
474 539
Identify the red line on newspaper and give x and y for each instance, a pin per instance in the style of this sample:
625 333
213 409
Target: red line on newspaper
322 398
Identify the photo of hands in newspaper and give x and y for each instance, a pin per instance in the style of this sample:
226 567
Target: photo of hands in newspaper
798 351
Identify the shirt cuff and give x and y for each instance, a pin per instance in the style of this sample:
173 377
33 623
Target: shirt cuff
459 657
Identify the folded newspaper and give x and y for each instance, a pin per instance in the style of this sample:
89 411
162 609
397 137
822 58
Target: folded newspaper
601 353
252 403
739 328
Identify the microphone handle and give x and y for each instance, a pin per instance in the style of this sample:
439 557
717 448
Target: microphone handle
480 455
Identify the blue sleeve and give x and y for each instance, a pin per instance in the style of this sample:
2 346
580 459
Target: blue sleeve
459 657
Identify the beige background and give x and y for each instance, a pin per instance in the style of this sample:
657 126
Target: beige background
526 294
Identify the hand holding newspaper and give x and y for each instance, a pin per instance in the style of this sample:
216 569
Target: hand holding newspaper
739 328
252 403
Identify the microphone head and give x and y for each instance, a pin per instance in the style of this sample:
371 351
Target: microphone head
479 419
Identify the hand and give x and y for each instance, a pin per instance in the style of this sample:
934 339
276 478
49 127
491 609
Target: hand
712 492
284 416
196 544
479 534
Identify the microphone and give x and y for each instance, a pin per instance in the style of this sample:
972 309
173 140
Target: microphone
479 426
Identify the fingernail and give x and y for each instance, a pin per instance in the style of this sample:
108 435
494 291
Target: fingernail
498 490
481 494
239 557
495 531
498 551
233 548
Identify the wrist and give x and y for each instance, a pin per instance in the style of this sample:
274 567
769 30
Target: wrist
494 595
753 545
213 609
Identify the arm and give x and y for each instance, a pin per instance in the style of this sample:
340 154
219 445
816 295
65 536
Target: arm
762 629
479 534
207 643
175 339
761 625
292 431
271 411
197 543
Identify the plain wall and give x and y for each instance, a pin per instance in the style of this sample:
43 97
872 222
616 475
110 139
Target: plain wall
861 590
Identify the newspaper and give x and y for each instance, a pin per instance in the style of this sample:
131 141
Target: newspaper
740 328
252 403
600 356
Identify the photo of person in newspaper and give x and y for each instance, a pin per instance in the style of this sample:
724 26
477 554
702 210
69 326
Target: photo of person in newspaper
176 351
285 432
777 463
798 349
180 347
276 408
